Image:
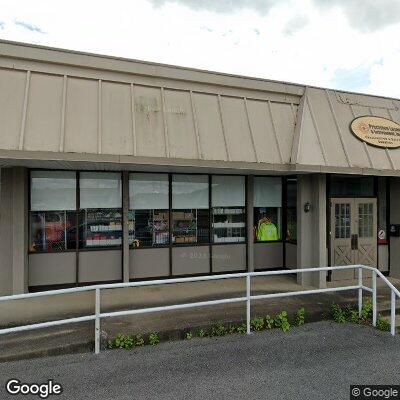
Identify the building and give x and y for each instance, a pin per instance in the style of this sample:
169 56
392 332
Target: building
114 170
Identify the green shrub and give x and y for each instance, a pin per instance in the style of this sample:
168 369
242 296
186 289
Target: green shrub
218 330
201 333
337 313
139 340
382 324
121 342
189 335
353 317
242 328
300 316
232 329
366 310
269 322
281 321
154 339
257 324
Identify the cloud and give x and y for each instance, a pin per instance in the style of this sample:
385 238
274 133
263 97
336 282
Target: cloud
2 25
356 79
295 24
223 6
29 27
366 15
363 15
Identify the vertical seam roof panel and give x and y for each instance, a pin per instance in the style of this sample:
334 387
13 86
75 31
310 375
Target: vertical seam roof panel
297 132
316 127
196 126
24 111
221 113
133 120
99 116
250 129
164 113
339 130
63 109
274 131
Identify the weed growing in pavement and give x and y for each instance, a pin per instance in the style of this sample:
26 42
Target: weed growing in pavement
300 316
281 321
153 339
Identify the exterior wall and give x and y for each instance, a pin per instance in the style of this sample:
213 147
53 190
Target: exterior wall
13 231
311 228
6 276
291 255
395 219
52 268
268 255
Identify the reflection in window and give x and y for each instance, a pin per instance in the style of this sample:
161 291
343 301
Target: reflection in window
228 209
190 212
342 221
100 209
365 220
52 213
291 210
148 210
267 209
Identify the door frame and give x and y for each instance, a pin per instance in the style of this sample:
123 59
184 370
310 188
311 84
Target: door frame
375 195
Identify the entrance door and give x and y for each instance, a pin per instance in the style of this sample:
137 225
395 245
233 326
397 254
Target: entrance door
353 234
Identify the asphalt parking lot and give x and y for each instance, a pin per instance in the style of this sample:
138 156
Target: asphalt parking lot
316 361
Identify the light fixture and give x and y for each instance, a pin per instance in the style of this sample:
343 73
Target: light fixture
307 207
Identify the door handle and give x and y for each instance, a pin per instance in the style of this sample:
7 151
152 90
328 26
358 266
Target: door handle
354 241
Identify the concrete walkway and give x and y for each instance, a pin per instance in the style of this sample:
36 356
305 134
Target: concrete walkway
316 361
171 325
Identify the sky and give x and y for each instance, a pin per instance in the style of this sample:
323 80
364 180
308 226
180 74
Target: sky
342 44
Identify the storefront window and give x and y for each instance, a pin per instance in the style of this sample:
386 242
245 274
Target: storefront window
228 209
148 210
382 213
52 215
190 209
352 186
267 209
100 209
291 210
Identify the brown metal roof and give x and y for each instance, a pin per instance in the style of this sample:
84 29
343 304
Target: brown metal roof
68 108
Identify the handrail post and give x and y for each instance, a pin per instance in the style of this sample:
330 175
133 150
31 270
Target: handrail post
360 291
393 313
374 316
248 309
97 323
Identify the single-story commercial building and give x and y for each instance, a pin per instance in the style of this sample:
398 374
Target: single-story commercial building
115 170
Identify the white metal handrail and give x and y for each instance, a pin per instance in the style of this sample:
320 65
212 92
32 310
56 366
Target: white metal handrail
247 298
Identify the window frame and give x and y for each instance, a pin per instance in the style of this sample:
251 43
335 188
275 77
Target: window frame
79 210
283 209
72 211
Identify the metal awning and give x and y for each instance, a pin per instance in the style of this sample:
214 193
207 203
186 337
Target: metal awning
323 140
63 109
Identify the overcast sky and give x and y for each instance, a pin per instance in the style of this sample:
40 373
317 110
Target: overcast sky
344 44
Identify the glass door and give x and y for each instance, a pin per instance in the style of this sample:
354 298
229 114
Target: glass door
353 234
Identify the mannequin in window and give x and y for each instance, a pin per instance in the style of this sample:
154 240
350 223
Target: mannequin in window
266 230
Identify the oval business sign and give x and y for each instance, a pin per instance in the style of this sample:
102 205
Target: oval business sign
377 131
